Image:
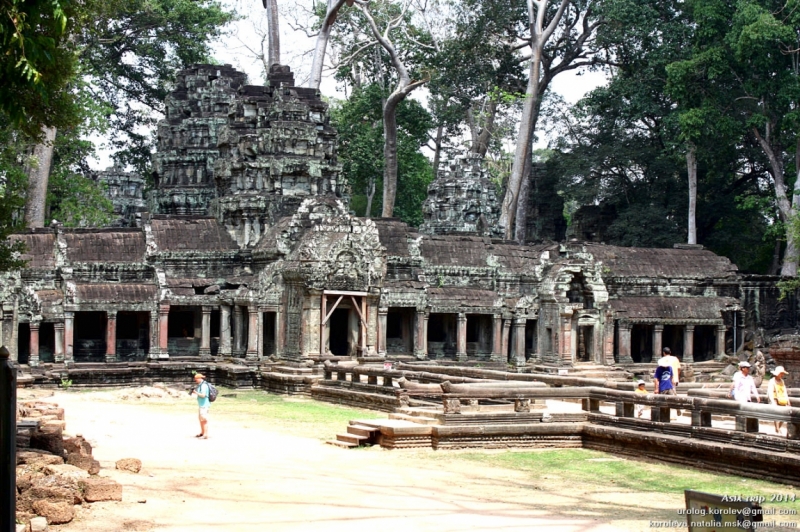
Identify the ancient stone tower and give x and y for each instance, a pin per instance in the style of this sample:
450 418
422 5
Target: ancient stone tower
276 149
461 200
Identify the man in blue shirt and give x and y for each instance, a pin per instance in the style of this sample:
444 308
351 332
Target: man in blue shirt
662 380
201 390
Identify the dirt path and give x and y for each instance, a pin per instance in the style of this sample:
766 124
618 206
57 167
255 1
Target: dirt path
248 477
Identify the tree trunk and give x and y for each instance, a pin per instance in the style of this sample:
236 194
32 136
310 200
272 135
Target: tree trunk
370 196
437 152
786 209
481 145
691 167
390 153
38 176
521 227
323 37
274 32
537 10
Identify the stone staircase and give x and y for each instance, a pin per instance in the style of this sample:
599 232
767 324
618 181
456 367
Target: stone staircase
359 434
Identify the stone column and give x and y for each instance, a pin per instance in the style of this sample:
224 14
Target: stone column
205 333
688 344
658 333
518 349
624 342
58 355
154 336
238 329
33 358
497 338
721 339
566 354
505 340
69 335
260 335
279 337
111 336
382 313
461 338
225 330
163 331
420 334
252 334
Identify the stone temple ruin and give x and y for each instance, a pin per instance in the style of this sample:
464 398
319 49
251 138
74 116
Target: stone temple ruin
246 263
248 250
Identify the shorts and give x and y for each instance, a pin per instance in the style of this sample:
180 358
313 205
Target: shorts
671 391
204 412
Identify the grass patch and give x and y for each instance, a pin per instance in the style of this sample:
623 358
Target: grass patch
593 468
298 415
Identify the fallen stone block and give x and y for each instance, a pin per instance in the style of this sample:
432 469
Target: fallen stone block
100 489
77 445
134 465
67 471
56 513
87 463
21 528
48 439
35 458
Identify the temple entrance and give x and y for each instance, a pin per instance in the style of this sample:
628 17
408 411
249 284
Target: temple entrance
133 335
479 334
442 335
269 333
47 343
705 343
343 327
641 342
338 337
585 345
399 331
184 330
531 337
672 337
23 343
90 337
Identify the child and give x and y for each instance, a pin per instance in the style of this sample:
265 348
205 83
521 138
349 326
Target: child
640 389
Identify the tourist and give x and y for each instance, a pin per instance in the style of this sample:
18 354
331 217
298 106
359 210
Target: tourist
640 388
662 380
201 390
777 395
675 364
743 386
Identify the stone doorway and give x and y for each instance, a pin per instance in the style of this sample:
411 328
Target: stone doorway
705 343
531 338
90 336
673 338
585 347
23 343
133 335
479 334
400 331
642 342
442 335
338 332
268 329
184 330
47 343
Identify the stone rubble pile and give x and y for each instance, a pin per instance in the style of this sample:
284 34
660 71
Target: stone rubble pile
56 473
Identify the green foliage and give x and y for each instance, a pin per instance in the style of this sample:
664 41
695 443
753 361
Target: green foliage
36 63
65 383
131 51
359 122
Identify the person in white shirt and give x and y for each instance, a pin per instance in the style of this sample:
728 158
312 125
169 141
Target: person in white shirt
743 386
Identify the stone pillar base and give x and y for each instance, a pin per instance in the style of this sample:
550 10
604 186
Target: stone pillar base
111 358
205 353
420 355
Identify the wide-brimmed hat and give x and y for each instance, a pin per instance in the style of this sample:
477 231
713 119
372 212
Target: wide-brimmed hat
744 364
779 370
640 383
664 361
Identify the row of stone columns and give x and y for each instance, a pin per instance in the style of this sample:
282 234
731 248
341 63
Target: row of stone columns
65 331
658 330
500 336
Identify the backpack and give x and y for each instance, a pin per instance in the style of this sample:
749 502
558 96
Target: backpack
212 392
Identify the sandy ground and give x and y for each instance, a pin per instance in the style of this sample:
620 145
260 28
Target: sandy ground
249 477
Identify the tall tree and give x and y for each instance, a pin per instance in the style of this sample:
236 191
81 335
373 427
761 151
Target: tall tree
745 57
